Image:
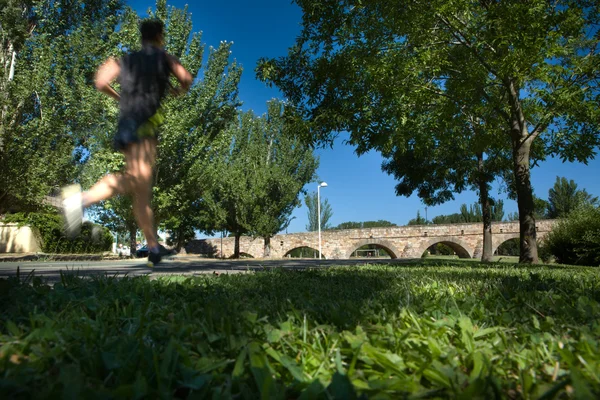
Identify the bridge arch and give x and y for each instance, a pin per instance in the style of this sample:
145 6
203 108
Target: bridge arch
460 247
316 251
497 242
386 245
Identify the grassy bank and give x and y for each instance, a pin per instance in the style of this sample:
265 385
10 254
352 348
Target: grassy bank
429 330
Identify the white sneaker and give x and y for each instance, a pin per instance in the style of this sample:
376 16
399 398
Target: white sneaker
72 209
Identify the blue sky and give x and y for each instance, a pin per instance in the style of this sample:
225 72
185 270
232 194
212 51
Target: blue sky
357 188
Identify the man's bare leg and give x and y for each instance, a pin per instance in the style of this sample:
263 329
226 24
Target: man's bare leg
136 181
108 187
140 160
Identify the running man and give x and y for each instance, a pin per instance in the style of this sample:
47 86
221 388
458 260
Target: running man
144 78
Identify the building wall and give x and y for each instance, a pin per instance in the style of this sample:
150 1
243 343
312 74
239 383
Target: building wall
15 239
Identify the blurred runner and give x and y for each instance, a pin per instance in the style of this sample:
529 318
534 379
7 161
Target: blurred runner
144 79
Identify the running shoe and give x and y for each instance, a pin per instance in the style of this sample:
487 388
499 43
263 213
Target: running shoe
72 210
155 258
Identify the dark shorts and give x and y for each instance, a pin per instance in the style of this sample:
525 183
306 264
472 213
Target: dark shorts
131 131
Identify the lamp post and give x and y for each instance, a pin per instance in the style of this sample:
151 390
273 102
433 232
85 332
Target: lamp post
322 184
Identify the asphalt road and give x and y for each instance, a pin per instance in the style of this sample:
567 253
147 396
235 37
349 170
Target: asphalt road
176 266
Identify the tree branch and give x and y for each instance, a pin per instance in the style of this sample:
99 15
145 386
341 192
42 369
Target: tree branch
458 35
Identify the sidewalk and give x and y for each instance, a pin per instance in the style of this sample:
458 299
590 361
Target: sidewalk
15 257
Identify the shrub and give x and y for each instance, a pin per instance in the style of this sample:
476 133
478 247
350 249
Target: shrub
92 239
576 239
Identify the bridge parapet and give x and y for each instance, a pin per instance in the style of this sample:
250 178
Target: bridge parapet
401 241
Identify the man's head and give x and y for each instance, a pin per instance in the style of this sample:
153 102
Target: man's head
152 31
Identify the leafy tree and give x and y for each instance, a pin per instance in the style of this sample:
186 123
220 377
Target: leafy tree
311 202
531 64
260 175
576 239
193 124
441 249
229 192
418 220
349 225
281 165
48 103
564 197
540 207
472 213
497 211
378 224
455 218
540 210
367 224
509 248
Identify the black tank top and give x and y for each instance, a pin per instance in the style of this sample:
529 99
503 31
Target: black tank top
144 79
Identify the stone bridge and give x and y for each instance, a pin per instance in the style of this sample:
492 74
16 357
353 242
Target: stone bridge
400 241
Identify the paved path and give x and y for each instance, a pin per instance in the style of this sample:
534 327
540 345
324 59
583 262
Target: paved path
176 266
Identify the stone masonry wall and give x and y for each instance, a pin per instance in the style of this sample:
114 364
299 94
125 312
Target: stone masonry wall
401 241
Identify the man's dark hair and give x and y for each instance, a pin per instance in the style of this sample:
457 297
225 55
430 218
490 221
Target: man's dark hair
151 29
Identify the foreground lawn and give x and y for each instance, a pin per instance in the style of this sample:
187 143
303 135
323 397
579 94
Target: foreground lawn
429 330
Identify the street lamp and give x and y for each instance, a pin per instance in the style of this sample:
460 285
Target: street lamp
322 184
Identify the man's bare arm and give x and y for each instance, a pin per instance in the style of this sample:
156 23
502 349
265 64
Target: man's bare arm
183 76
108 72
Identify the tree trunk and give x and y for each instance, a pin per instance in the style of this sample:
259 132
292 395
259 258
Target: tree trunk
236 249
486 210
267 247
527 236
179 243
132 239
521 143
11 73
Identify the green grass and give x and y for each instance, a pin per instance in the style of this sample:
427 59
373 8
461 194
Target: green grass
502 259
436 329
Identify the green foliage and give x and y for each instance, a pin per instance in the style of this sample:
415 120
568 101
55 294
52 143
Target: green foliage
441 249
370 250
540 207
510 248
281 166
366 224
426 330
257 174
451 93
92 239
564 197
472 213
50 107
576 239
456 218
193 136
311 201
304 252
418 220
540 210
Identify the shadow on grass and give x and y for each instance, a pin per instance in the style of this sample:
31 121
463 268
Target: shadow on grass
343 296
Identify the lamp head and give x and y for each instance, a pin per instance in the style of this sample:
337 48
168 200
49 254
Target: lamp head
323 184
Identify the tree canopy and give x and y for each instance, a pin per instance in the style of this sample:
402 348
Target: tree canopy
564 197
366 224
311 202
49 107
524 74
257 180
